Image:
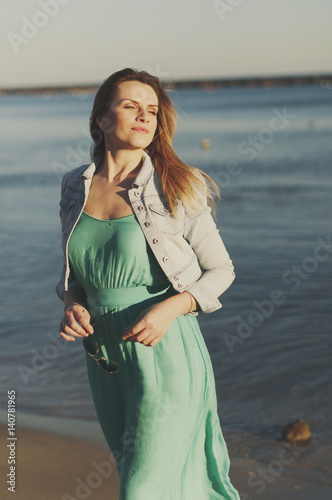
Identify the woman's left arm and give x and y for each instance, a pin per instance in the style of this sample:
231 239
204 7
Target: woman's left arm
217 268
217 275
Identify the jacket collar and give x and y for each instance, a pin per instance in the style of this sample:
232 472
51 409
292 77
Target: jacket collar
141 179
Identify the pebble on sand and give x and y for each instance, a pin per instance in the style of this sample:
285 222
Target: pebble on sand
298 431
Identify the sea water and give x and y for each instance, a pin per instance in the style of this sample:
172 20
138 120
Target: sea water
270 344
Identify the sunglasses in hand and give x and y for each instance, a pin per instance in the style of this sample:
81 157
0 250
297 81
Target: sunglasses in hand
106 364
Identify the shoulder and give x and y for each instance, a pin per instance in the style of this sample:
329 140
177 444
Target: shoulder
74 174
70 178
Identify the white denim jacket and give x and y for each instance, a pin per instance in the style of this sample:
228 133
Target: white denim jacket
189 248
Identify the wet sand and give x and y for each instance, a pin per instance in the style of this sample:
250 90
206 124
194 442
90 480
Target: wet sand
50 466
54 467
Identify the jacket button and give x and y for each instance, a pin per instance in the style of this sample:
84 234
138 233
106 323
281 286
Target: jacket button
147 224
176 278
166 208
179 285
165 259
136 193
155 240
140 208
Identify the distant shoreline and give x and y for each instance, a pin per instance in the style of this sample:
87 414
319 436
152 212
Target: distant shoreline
208 84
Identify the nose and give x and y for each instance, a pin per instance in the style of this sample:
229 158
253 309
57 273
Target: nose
143 116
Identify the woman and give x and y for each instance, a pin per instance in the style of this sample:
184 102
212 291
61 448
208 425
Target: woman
137 230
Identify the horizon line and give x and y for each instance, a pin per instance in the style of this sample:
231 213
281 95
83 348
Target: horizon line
191 82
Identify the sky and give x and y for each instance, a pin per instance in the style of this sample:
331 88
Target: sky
64 42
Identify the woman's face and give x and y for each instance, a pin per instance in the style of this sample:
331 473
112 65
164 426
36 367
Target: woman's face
130 121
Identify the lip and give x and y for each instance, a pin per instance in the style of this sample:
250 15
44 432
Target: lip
143 130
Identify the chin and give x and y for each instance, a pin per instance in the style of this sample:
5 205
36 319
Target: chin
140 144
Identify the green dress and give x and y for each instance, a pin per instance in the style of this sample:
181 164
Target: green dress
159 411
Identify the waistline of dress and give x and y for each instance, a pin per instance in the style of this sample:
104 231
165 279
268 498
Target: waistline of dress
124 296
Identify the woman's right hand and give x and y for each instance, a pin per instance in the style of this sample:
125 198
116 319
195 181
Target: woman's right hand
75 323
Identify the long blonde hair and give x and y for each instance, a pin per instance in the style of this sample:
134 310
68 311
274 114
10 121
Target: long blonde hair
179 181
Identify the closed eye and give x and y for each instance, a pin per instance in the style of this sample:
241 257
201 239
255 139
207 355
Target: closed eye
133 107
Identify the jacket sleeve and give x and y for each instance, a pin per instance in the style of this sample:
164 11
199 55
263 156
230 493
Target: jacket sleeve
72 283
60 287
217 269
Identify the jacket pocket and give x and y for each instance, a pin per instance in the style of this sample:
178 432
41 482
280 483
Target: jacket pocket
164 220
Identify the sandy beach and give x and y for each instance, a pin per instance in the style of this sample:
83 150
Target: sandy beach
56 467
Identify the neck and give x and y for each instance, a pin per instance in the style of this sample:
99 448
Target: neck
121 164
